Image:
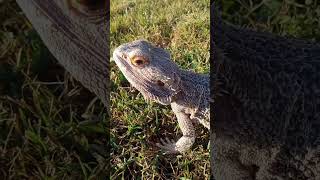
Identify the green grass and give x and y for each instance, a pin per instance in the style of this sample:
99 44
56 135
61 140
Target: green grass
42 132
293 18
183 28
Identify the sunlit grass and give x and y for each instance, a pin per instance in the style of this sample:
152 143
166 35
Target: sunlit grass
182 27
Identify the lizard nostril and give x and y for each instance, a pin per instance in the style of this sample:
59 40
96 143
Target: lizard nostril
124 56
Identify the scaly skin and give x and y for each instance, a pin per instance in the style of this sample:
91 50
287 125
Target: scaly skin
150 70
76 33
266 106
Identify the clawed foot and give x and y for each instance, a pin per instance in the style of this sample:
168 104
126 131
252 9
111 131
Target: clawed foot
169 146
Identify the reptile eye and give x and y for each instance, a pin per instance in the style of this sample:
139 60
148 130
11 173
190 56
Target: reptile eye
139 61
160 83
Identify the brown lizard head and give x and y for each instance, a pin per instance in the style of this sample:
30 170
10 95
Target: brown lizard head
149 69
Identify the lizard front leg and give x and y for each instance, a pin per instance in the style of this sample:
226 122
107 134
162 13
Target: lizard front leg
186 126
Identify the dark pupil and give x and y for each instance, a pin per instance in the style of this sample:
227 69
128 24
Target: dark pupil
139 62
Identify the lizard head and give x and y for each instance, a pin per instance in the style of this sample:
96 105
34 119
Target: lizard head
149 69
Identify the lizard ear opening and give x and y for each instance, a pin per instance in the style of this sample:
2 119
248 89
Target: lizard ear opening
160 83
174 83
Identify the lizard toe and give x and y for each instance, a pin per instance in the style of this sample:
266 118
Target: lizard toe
168 146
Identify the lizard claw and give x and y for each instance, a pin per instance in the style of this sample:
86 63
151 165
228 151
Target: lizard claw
169 146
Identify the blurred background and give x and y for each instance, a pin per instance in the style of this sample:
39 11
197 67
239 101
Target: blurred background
50 126
297 18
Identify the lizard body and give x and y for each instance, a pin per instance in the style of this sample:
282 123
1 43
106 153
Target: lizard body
76 33
150 70
266 106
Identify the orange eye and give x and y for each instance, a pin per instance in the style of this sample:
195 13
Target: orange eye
139 61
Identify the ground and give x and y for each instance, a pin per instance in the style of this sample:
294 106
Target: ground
42 132
183 28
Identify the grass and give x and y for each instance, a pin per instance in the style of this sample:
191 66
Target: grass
292 18
43 134
182 27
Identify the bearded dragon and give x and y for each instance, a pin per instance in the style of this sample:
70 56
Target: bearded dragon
76 33
152 72
266 96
